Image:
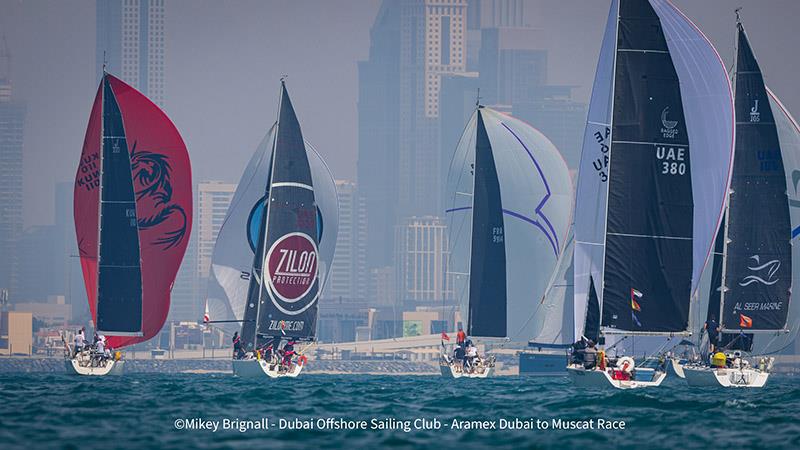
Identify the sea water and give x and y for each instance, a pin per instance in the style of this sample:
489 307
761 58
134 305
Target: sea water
40 410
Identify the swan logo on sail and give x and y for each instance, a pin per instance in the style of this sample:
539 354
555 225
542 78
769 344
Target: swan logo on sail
763 273
755 116
152 175
668 131
292 268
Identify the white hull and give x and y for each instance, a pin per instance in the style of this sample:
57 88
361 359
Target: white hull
255 368
453 370
726 377
602 378
676 367
75 366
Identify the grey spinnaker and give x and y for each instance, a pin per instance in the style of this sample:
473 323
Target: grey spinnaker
535 193
119 299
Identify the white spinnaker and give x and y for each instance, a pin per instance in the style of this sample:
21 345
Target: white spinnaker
789 139
591 200
536 195
555 309
233 255
708 108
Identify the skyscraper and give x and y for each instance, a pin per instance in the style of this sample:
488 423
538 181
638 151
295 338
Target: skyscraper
130 39
413 44
348 276
213 199
12 118
421 262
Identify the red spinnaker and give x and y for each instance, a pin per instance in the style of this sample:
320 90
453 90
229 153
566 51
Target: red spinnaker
162 180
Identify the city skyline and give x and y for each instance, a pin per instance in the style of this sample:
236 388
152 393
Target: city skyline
241 87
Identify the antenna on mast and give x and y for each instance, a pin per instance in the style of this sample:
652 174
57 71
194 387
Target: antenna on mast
738 19
105 62
478 99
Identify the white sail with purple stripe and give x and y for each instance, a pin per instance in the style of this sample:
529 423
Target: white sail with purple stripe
509 207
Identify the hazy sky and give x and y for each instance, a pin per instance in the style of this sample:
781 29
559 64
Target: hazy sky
224 59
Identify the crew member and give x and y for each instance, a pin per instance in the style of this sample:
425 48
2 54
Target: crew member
712 328
461 337
238 353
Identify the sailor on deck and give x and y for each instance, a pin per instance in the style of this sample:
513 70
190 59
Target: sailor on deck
80 341
461 337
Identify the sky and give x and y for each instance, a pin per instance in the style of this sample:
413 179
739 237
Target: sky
224 60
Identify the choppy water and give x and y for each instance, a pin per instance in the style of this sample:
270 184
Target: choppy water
141 410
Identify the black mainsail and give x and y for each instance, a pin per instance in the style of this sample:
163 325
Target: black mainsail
649 226
487 283
756 280
119 287
284 286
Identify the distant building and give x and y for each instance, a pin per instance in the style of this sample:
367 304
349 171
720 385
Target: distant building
130 38
421 248
16 333
55 311
557 116
12 120
213 200
413 44
37 259
348 275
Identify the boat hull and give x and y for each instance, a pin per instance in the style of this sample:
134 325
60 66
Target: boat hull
453 370
597 378
542 364
703 376
74 367
259 368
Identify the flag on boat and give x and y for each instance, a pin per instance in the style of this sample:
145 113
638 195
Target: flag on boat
206 315
445 336
745 322
634 295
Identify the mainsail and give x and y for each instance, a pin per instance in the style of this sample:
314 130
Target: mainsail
756 279
133 212
654 170
234 249
277 241
510 198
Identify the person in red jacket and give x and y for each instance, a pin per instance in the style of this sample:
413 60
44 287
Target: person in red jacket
461 337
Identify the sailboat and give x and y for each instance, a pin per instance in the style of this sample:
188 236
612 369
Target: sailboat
133 218
653 176
510 201
754 260
275 248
